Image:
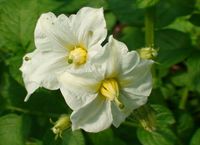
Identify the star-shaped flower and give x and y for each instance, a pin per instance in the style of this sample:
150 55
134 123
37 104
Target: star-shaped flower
62 43
108 92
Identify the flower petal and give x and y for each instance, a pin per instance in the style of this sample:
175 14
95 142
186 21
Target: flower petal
111 58
118 115
129 61
139 80
130 103
39 70
93 117
93 52
79 88
54 33
90 26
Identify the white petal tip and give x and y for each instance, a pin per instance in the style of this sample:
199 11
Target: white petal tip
27 97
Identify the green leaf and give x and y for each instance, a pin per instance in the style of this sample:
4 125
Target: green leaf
197 6
162 136
68 138
34 142
167 11
194 19
174 46
46 98
105 137
196 138
73 138
18 19
126 12
70 6
133 37
180 79
7 87
110 20
17 23
14 63
193 65
11 132
145 3
184 25
95 3
164 116
130 12
185 125
168 90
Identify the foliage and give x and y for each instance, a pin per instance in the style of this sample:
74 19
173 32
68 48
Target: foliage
176 93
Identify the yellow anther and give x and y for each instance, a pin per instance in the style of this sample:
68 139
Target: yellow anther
118 103
110 90
77 56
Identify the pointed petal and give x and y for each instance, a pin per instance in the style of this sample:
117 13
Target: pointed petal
53 33
90 26
39 70
93 117
93 52
139 80
31 87
79 88
111 57
130 103
129 61
118 115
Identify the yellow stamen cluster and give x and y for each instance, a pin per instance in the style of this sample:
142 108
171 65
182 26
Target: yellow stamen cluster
110 90
77 56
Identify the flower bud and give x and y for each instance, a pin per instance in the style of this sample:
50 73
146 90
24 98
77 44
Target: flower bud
146 117
147 53
60 125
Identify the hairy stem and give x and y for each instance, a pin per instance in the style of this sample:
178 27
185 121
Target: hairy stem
149 27
184 98
25 111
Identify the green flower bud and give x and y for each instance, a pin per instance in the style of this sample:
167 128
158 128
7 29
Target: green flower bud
60 125
147 53
146 117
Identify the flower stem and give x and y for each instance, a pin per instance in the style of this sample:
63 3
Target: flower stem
25 111
149 27
149 34
131 124
184 98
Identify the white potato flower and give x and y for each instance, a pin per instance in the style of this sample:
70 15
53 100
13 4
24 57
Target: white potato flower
62 43
106 94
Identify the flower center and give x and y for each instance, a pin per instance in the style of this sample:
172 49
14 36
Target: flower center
77 56
110 90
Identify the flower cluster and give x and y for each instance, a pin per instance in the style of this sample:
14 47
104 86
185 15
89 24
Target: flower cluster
101 84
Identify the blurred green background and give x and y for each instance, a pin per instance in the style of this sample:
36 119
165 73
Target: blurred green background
175 97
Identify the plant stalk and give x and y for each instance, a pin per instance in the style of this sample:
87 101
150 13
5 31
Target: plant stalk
149 27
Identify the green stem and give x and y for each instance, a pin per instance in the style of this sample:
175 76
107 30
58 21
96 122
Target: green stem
131 124
149 27
149 33
184 99
21 110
